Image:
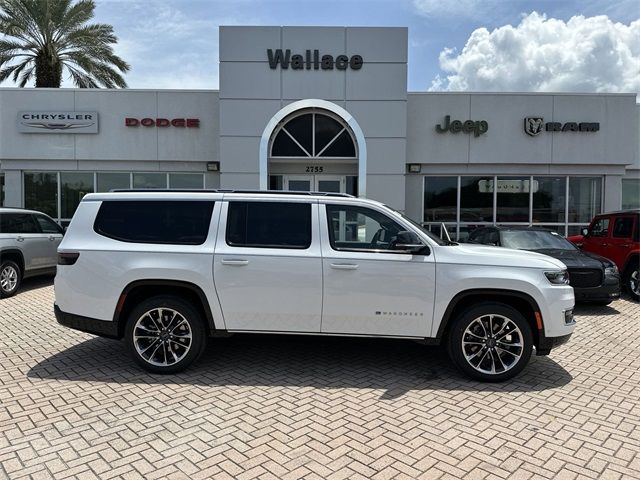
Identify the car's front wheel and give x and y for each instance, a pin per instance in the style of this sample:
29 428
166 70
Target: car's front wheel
491 342
10 277
165 334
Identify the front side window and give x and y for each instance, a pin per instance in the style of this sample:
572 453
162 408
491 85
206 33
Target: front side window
269 225
165 222
600 228
360 229
18 223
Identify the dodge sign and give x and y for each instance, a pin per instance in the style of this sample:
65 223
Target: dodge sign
58 122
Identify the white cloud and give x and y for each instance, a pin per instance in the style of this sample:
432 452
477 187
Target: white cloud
590 54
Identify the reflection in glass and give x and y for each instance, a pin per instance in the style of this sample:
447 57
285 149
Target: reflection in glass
476 199
108 181
73 186
585 198
186 180
549 195
513 199
41 192
630 193
149 180
440 198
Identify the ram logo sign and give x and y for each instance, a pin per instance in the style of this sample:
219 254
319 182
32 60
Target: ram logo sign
57 122
533 126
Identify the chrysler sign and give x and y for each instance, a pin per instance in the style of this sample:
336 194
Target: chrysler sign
57 122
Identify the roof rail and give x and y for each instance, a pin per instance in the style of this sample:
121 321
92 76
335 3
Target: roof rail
229 190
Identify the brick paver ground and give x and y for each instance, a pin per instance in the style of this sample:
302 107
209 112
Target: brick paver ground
73 405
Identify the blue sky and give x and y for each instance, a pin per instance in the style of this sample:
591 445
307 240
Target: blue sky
174 43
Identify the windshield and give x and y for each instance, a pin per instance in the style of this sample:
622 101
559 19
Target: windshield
433 237
535 240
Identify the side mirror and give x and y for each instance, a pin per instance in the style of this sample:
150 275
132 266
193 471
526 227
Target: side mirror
584 231
409 242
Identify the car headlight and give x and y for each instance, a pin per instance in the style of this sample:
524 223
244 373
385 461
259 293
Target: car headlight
559 277
612 270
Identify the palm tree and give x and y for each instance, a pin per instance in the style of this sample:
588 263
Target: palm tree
44 37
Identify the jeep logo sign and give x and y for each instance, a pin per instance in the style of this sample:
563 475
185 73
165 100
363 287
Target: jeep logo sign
533 126
468 126
309 60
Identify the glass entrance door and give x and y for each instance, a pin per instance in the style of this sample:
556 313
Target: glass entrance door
316 183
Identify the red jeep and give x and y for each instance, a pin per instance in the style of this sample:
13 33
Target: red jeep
616 236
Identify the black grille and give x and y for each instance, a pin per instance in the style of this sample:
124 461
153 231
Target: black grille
585 277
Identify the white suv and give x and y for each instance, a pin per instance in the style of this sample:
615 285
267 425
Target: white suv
166 269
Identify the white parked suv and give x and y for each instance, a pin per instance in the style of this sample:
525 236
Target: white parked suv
166 269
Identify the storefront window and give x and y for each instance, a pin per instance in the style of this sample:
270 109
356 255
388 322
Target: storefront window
149 180
585 198
186 180
476 199
1 189
440 199
549 195
513 199
41 192
111 180
73 186
630 193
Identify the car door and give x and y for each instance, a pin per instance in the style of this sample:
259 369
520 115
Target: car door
50 238
621 239
267 265
597 239
369 288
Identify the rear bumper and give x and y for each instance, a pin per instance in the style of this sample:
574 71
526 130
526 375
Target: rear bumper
102 328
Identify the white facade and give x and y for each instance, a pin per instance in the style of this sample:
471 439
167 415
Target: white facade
390 149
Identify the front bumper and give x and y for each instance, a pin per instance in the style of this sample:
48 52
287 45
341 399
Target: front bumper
102 328
546 344
609 290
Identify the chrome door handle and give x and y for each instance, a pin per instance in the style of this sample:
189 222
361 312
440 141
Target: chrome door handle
51 238
344 266
19 239
235 261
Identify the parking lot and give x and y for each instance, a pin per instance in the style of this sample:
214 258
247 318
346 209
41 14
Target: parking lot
306 407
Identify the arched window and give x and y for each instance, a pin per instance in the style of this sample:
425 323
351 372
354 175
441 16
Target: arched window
313 135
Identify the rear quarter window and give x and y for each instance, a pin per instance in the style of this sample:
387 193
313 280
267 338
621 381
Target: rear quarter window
164 222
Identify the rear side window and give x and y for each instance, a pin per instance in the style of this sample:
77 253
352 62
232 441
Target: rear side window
269 225
18 223
622 227
170 222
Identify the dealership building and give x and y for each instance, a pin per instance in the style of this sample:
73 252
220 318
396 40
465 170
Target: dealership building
327 109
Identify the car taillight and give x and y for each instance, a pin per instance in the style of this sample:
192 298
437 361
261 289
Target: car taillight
67 258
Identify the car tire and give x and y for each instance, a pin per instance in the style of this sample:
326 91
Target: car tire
10 278
632 280
165 334
490 342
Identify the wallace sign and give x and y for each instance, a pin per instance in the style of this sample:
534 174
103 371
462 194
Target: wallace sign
312 59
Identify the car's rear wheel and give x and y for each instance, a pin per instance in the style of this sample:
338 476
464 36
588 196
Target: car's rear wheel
491 342
633 280
10 277
165 334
